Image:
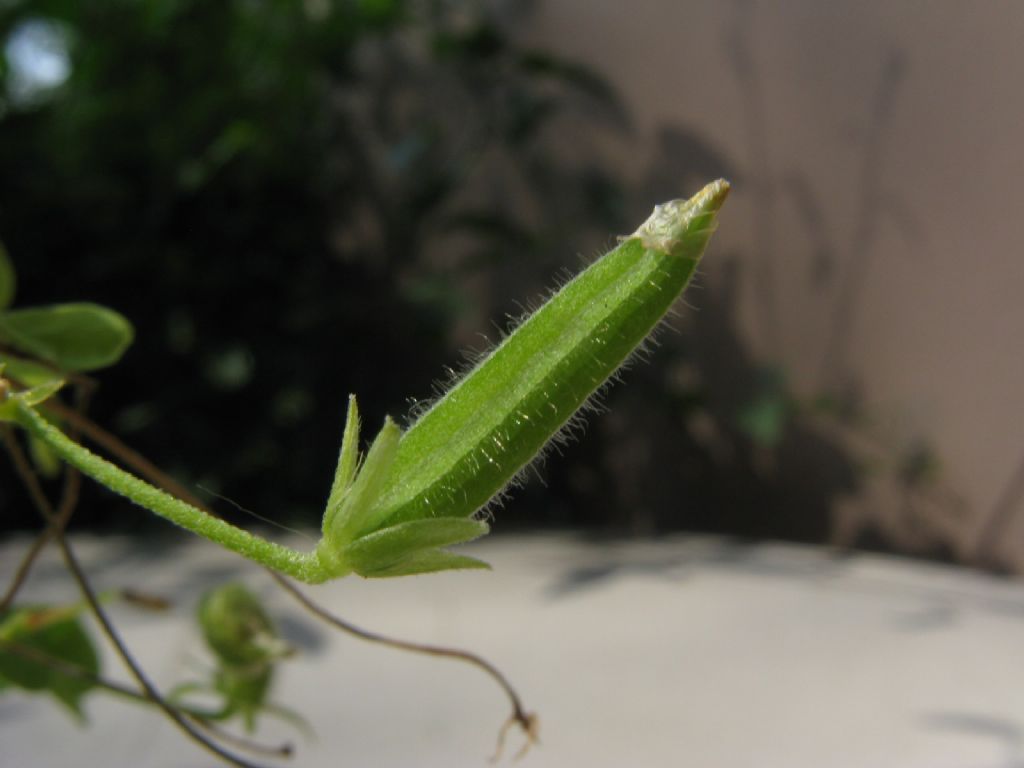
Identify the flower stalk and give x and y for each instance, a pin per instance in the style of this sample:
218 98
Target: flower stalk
394 510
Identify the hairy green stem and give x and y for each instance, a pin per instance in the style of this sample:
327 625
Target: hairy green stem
300 565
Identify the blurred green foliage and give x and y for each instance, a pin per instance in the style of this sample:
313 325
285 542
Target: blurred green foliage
46 633
247 648
249 182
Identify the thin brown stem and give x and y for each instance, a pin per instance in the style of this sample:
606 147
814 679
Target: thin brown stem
55 524
283 751
133 666
58 522
26 474
24 567
527 721
46 510
126 455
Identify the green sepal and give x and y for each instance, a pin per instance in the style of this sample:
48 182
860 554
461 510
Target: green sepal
350 543
74 337
353 514
412 547
348 463
427 561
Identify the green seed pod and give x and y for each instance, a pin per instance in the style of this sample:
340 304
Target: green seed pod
422 487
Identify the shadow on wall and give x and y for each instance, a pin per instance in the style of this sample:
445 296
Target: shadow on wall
711 436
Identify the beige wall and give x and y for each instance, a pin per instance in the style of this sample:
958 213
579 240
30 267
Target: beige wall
914 108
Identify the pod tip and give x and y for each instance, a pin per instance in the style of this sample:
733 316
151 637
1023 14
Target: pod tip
673 225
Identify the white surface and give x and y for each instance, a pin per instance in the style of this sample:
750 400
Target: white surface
685 651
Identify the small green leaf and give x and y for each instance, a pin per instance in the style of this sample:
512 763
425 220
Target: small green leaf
56 633
74 337
29 373
8 281
40 393
30 397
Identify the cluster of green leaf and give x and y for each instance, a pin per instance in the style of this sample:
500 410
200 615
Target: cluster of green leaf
46 649
247 648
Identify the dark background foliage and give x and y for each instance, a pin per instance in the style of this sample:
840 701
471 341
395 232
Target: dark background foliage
259 186
294 201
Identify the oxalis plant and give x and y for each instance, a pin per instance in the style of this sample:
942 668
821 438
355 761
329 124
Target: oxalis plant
395 508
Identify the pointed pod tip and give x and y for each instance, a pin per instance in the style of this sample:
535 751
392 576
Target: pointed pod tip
710 198
682 227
